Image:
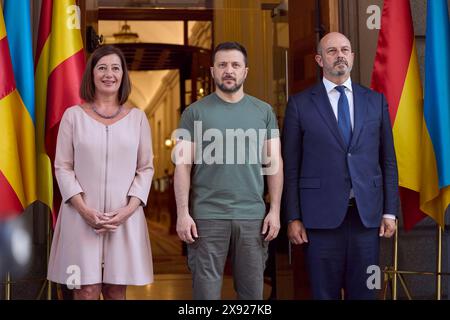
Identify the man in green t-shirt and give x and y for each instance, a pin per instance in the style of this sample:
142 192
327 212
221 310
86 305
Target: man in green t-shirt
227 142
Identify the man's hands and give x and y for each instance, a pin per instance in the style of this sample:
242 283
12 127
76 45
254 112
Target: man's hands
297 232
186 228
271 225
387 228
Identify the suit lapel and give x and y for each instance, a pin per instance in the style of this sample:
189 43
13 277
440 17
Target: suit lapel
360 103
320 98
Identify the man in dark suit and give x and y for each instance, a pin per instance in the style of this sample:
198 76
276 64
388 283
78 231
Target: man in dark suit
341 181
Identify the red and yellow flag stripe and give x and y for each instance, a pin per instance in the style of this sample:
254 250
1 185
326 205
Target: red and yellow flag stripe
396 74
60 63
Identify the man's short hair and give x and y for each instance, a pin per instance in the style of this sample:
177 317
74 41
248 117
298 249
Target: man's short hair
230 45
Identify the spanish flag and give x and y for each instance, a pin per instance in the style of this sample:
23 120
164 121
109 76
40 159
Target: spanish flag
17 147
60 63
396 74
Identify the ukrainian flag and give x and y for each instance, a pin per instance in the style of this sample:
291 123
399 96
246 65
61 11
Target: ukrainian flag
437 103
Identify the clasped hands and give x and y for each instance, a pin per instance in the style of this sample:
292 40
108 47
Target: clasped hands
108 221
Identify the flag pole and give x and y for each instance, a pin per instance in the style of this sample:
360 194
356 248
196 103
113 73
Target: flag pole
8 286
49 240
394 284
439 264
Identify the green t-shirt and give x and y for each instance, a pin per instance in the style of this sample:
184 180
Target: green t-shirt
227 180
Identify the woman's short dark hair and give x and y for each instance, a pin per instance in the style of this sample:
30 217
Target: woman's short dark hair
225 46
87 89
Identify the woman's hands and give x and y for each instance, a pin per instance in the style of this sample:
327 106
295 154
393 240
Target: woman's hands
112 220
97 220
104 222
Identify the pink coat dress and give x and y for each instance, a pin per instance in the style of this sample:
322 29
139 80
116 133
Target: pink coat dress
107 164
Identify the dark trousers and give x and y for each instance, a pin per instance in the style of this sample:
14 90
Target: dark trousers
338 259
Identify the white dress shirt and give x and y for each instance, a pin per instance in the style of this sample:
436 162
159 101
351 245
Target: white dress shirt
333 96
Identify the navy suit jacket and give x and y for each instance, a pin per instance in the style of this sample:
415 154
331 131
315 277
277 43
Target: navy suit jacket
320 170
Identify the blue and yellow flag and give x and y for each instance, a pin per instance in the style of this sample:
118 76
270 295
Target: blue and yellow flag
17 150
18 28
437 99
421 132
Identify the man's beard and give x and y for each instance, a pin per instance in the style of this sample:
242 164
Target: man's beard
339 73
225 89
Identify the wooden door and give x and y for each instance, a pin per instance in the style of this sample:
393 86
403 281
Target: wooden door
89 24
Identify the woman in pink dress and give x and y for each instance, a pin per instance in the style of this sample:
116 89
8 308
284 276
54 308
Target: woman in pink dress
104 168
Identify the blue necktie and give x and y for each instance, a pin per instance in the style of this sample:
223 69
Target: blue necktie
344 116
